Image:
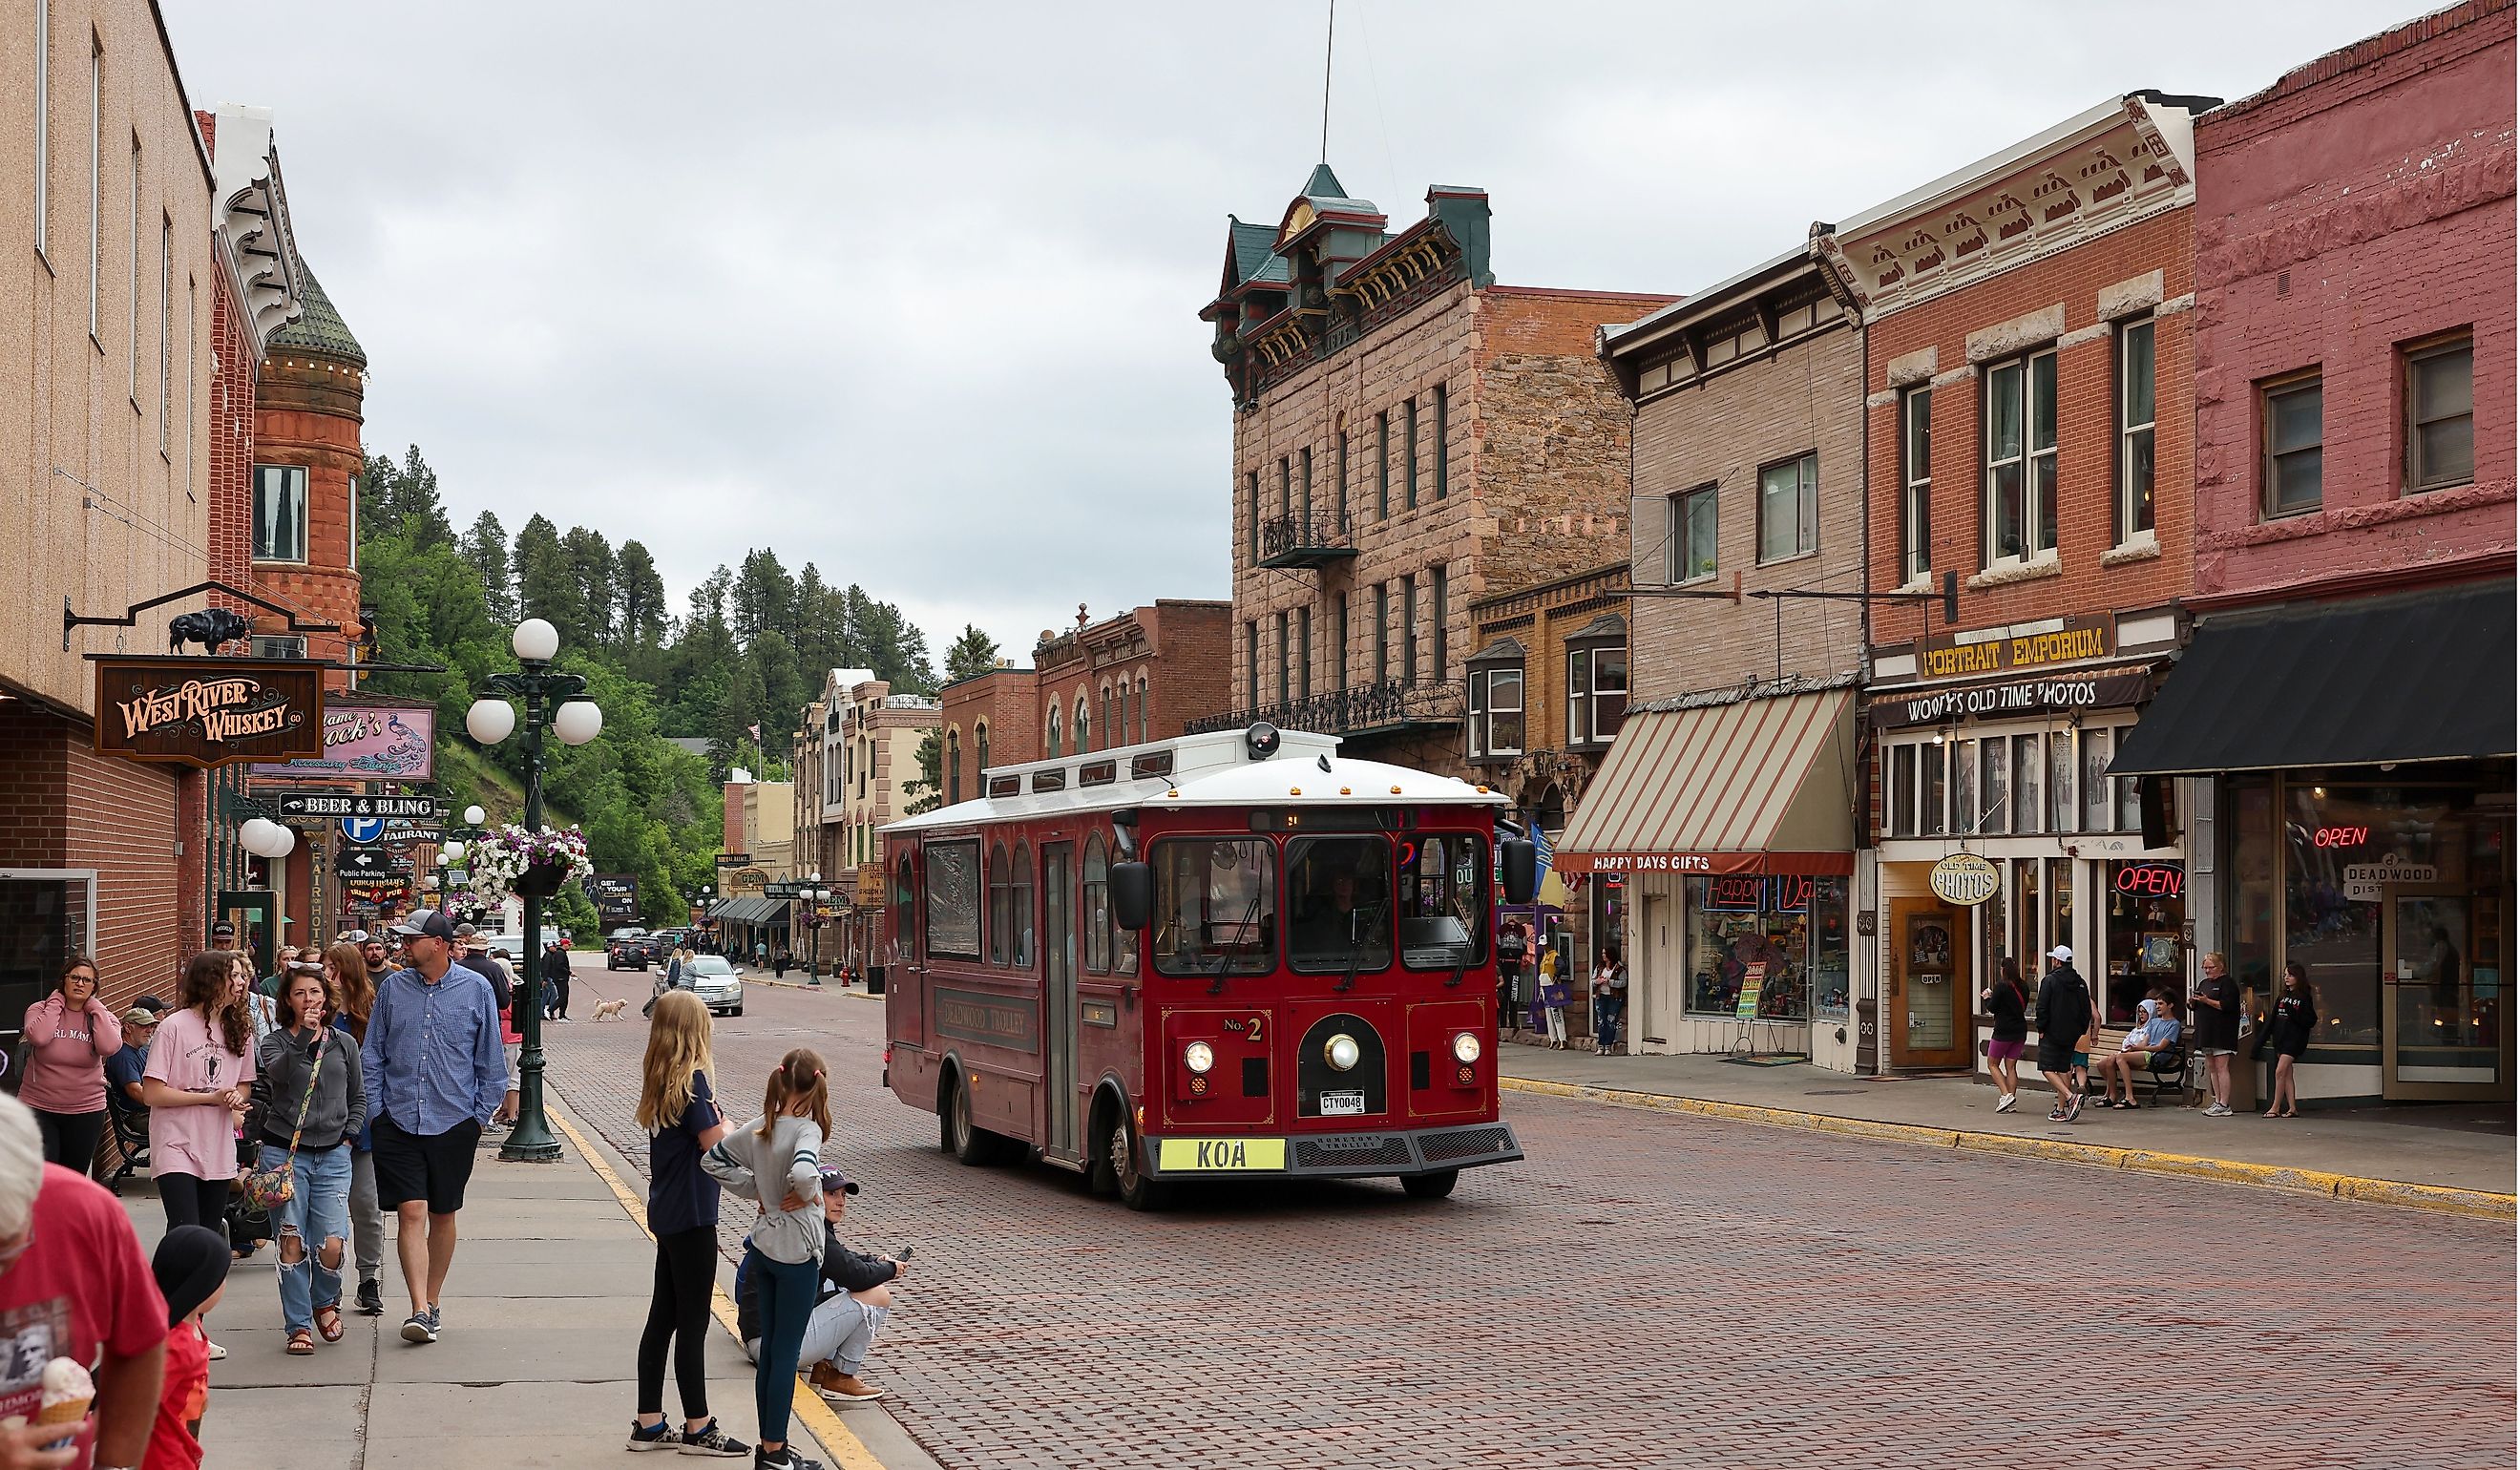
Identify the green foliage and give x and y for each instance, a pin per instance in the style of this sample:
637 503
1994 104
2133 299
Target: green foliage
927 789
973 652
573 911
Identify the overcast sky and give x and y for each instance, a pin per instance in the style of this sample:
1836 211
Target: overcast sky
911 290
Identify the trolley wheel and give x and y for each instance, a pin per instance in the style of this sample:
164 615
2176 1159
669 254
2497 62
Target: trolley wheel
1434 1185
970 1144
1123 1163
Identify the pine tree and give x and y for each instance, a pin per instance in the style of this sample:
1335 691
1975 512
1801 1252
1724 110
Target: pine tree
973 652
485 546
547 585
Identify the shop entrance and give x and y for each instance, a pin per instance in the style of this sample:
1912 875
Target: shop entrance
1928 1014
2442 1015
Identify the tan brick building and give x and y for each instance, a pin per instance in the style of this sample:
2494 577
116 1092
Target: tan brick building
1409 437
879 733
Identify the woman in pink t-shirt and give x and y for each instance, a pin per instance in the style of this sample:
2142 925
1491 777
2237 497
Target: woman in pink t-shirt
199 1077
70 1034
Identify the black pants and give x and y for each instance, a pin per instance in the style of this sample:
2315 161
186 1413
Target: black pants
194 1201
679 1312
556 988
70 1139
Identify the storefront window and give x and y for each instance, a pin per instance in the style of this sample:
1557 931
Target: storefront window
2337 841
2025 913
2060 779
1994 803
2097 795
2026 760
1937 801
1995 942
2061 900
1903 789
2144 906
1787 933
1607 897
1965 802
2252 951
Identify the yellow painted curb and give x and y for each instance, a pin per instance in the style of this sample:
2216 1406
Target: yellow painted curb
2479 1203
844 1448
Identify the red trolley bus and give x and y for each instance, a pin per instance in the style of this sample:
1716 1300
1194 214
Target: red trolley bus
1224 956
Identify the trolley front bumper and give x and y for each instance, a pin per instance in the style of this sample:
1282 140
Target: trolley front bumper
1352 1155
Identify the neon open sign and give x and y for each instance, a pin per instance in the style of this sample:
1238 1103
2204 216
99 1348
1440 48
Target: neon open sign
2340 836
2152 880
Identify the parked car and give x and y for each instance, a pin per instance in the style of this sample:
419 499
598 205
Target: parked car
718 984
626 948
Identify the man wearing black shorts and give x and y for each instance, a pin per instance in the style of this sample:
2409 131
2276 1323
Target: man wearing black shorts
2064 1014
437 1076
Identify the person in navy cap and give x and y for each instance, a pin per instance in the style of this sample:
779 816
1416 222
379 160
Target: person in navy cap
853 1301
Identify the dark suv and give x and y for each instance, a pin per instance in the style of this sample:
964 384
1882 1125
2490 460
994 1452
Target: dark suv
627 948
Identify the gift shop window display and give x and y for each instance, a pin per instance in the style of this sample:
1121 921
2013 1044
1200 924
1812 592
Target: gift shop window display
2144 918
1788 933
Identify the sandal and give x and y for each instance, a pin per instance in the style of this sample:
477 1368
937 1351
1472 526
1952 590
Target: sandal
327 1322
301 1343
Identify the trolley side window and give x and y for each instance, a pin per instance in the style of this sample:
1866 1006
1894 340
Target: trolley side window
1215 906
1444 885
954 899
1338 904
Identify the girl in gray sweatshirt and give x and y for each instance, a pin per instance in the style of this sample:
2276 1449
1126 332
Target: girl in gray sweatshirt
776 1161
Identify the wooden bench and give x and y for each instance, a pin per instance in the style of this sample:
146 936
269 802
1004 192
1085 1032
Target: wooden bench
2166 1070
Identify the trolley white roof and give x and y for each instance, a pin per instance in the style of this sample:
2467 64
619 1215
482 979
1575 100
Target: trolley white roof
1213 769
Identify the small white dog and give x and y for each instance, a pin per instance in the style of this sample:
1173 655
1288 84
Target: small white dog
610 1011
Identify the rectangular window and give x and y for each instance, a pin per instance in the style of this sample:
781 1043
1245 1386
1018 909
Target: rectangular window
2019 523
1408 630
1250 666
1993 798
275 646
2135 402
1382 464
2098 795
1338 646
1902 761
1442 456
165 325
192 372
1304 652
1790 508
1439 580
1964 805
1917 484
1597 695
1933 802
953 898
95 183
1381 632
1338 499
1496 712
133 301
2060 781
1693 534
2290 425
1285 488
1409 451
2441 415
279 512
43 116
1304 496
1285 669
1215 907
2027 758
1251 493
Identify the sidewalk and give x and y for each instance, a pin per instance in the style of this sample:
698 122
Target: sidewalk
2448 1156
536 1367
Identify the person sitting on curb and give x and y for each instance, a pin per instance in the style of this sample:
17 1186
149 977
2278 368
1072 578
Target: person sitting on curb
852 1302
2158 1033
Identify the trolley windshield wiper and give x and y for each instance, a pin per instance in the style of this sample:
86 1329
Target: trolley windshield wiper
1356 946
1225 958
1470 947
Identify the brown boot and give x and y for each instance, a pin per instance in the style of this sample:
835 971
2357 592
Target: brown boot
840 1388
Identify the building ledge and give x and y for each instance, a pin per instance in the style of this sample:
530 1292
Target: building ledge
2049 565
2144 547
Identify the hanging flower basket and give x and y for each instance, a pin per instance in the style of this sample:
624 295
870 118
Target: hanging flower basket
529 864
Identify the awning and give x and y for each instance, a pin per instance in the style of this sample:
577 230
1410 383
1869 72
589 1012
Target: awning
751 909
1757 786
2414 677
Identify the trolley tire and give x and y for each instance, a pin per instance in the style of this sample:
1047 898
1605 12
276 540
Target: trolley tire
1123 1162
1434 1185
970 1144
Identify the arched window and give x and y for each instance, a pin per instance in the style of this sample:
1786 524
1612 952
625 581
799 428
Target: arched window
1053 750
1146 730
1001 923
1021 907
980 762
953 767
1084 726
1098 907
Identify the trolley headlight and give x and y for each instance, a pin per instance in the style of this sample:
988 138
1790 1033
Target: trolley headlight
1341 1052
1466 1047
1198 1057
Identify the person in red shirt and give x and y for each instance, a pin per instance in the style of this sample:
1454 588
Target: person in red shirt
192 1271
73 1284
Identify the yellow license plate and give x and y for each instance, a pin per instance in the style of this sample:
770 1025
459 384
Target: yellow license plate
1220 1155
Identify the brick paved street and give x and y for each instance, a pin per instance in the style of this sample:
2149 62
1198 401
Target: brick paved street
1645 1289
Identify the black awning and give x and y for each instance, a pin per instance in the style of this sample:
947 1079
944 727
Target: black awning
2414 676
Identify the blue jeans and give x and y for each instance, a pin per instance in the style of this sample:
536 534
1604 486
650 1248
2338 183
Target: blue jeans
787 1300
318 1210
1605 1019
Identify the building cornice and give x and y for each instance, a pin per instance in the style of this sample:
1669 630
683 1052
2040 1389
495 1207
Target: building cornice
250 218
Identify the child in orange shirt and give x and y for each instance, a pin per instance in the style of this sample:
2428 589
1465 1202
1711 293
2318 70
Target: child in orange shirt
192 1271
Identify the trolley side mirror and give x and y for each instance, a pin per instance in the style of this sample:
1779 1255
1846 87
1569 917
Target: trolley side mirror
1521 862
1133 894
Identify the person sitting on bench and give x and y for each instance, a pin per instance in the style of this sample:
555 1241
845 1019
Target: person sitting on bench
852 1300
2158 1033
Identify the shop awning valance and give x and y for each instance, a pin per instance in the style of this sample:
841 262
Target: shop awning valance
1757 785
752 909
2414 676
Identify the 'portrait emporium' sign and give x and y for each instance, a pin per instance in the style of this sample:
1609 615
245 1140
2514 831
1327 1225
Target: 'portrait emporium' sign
1971 656
208 711
369 741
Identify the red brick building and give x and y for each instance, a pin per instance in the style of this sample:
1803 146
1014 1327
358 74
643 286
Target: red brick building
1143 675
993 718
2027 392
1409 437
2349 687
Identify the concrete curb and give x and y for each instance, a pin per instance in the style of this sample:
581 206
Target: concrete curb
2477 1203
836 990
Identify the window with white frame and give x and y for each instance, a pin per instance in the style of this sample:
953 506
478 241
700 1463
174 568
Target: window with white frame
2291 428
2135 410
1915 484
1790 508
279 512
2052 780
1693 534
1496 710
1597 693
2019 523
2440 414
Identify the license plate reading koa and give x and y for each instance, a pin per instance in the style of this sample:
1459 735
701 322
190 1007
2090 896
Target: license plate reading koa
1343 1104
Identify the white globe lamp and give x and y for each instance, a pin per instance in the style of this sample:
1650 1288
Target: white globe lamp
265 838
578 722
490 721
451 854
536 641
475 815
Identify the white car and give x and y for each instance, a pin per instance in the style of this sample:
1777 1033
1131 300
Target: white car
717 982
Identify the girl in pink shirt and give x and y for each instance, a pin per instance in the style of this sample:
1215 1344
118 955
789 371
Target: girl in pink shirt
70 1034
201 1074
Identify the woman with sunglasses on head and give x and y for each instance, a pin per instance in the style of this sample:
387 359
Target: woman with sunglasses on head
309 1105
70 1032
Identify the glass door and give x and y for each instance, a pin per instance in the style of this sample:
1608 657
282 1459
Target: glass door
2440 1014
46 916
1929 1010
1059 997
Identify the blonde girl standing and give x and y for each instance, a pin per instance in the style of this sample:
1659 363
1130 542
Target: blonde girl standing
679 1111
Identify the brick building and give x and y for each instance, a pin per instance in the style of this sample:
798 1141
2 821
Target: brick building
993 718
1724 813
2349 687
2028 420
879 737
1143 675
1409 437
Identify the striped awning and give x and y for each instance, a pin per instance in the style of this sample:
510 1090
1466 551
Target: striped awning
1757 786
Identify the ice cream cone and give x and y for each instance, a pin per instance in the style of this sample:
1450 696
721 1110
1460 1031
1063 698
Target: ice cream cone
67 1414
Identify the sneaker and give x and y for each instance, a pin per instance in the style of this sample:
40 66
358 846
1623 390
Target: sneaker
2218 1110
2074 1109
419 1327
2004 1105
784 1459
662 1435
708 1439
836 1387
216 1351
372 1300
2059 1115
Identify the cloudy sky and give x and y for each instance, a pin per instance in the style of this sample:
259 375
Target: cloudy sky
911 290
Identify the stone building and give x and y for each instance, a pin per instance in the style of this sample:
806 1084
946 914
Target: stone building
879 737
1723 817
1409 437
2347 693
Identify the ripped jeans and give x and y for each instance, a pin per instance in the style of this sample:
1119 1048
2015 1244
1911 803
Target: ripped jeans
318 1210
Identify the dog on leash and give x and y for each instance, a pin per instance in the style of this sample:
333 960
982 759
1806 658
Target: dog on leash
610 1011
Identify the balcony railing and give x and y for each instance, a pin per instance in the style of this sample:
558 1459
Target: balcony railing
1316 539
1365 710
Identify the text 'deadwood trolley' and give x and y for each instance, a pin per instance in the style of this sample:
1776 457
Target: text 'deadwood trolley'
1227 956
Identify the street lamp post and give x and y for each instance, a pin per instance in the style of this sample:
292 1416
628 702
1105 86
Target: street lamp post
551 703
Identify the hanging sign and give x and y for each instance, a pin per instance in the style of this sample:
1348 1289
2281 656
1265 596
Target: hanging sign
207 712
2021 699
369 741
362 828
1964 878
316 804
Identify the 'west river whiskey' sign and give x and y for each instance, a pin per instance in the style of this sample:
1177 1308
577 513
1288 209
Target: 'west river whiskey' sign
209 711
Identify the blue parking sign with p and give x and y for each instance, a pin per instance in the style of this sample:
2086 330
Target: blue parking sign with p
362 828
